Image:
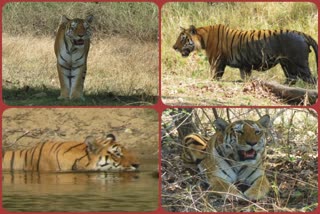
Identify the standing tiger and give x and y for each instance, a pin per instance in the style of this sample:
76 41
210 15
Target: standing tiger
233 159
71 48
90 155
251 50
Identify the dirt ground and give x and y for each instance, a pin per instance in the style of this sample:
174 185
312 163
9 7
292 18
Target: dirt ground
137 129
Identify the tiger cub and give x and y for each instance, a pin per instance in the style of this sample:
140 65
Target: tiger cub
233 159
90 155
71 47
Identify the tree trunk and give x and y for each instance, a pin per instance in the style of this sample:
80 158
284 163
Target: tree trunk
291 95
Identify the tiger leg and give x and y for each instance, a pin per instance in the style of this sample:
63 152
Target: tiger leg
245 73
224 188
77 82
305 74
64 82
289 72
259 189
297 62
217 70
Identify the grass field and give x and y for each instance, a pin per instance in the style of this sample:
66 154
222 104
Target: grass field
177 70
122 61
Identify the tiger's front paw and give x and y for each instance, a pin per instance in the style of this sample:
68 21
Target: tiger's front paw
77 96
63 97
253 194
258 190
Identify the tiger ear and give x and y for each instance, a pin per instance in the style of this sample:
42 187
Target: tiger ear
64 19
182 29
220 124
92 145
111 137
265 121
193 29
89 19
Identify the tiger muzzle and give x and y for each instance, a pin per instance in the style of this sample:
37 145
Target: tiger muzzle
247 155
185 53
78 42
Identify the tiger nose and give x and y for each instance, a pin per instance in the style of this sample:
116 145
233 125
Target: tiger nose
135 165
251 143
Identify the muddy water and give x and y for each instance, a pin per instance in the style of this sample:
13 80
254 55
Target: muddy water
131 191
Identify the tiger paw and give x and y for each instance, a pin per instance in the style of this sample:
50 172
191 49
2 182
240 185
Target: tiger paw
77 98
63 97
256 194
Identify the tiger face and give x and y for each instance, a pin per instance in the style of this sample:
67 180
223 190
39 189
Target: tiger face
107 155
187 41
247 138
78 30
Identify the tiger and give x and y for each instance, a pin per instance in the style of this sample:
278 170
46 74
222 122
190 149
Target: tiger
251 50
232 160
92 154
71 48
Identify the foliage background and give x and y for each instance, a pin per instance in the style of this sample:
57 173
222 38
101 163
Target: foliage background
291 161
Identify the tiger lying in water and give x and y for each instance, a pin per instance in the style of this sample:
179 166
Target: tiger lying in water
90 155
232 160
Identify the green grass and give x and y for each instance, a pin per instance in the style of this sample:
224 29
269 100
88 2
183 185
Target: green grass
48 97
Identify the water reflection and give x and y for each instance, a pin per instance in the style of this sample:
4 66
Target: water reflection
125 191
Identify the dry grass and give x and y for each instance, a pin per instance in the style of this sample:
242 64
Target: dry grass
117 65
291 163
199 92
128 68
122 63
137 20
24 128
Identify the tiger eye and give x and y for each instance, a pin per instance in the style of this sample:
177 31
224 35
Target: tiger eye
240 132
258 132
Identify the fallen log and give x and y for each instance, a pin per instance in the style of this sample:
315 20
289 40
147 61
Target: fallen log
291 95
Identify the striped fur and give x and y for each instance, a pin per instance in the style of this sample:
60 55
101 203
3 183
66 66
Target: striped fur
233 159
251 50
71 47
90 155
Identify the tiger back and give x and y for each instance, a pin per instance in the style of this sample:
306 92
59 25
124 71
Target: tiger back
91 155
251 50
233 159
71 48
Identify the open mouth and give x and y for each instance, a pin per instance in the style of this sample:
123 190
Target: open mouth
78 42
247 155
